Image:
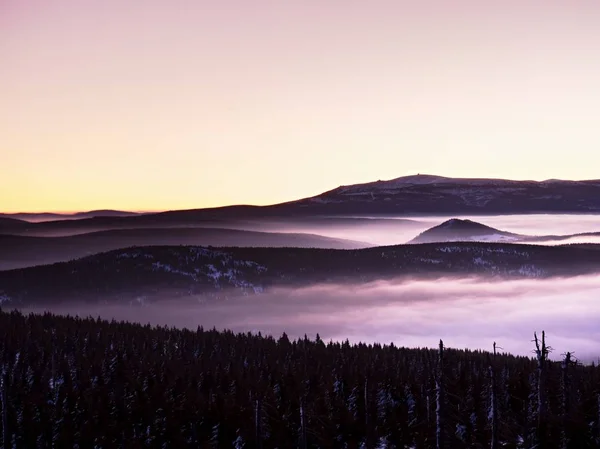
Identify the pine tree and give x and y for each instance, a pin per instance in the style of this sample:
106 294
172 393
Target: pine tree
220 389
303 443
4 399
565 399
440 399
493 412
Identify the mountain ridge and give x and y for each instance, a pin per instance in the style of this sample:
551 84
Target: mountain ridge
430 194
176 271
38 216
405 196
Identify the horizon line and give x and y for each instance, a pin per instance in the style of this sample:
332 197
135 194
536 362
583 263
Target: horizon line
150 211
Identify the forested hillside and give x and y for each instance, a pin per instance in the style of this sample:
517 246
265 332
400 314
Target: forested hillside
85 383
179 271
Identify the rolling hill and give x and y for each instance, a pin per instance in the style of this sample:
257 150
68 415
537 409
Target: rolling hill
457 230
464 230
173 271
23 251
204 218
48 216
11 224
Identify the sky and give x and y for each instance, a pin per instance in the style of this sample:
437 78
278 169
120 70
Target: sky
155 105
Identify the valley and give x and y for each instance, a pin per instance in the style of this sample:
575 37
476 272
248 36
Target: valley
343 243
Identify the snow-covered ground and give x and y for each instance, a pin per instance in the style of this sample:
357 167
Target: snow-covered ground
416 180
494 238
4 298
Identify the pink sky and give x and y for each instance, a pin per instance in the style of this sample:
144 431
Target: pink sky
153 104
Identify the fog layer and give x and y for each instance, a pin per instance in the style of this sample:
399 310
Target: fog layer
394 231
465 313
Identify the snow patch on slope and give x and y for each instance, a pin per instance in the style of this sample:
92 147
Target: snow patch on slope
475 249
476 197
418 180
494 238
202 265
158 266
530 271
4 298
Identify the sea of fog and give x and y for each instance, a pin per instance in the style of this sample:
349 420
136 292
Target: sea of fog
398 230
465 313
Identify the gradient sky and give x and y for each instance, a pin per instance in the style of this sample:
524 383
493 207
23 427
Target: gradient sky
151 105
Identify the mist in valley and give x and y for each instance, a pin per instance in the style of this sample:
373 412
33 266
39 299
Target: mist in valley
66 242
379 231
575 240
465 313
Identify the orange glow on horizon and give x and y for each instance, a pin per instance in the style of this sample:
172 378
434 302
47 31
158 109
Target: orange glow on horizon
154 106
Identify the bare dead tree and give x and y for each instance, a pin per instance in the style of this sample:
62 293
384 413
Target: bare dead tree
541 352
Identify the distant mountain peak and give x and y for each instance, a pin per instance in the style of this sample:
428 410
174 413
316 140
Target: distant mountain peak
459 223
457 229
420 179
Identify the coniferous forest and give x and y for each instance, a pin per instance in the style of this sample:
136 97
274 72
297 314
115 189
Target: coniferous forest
88 383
